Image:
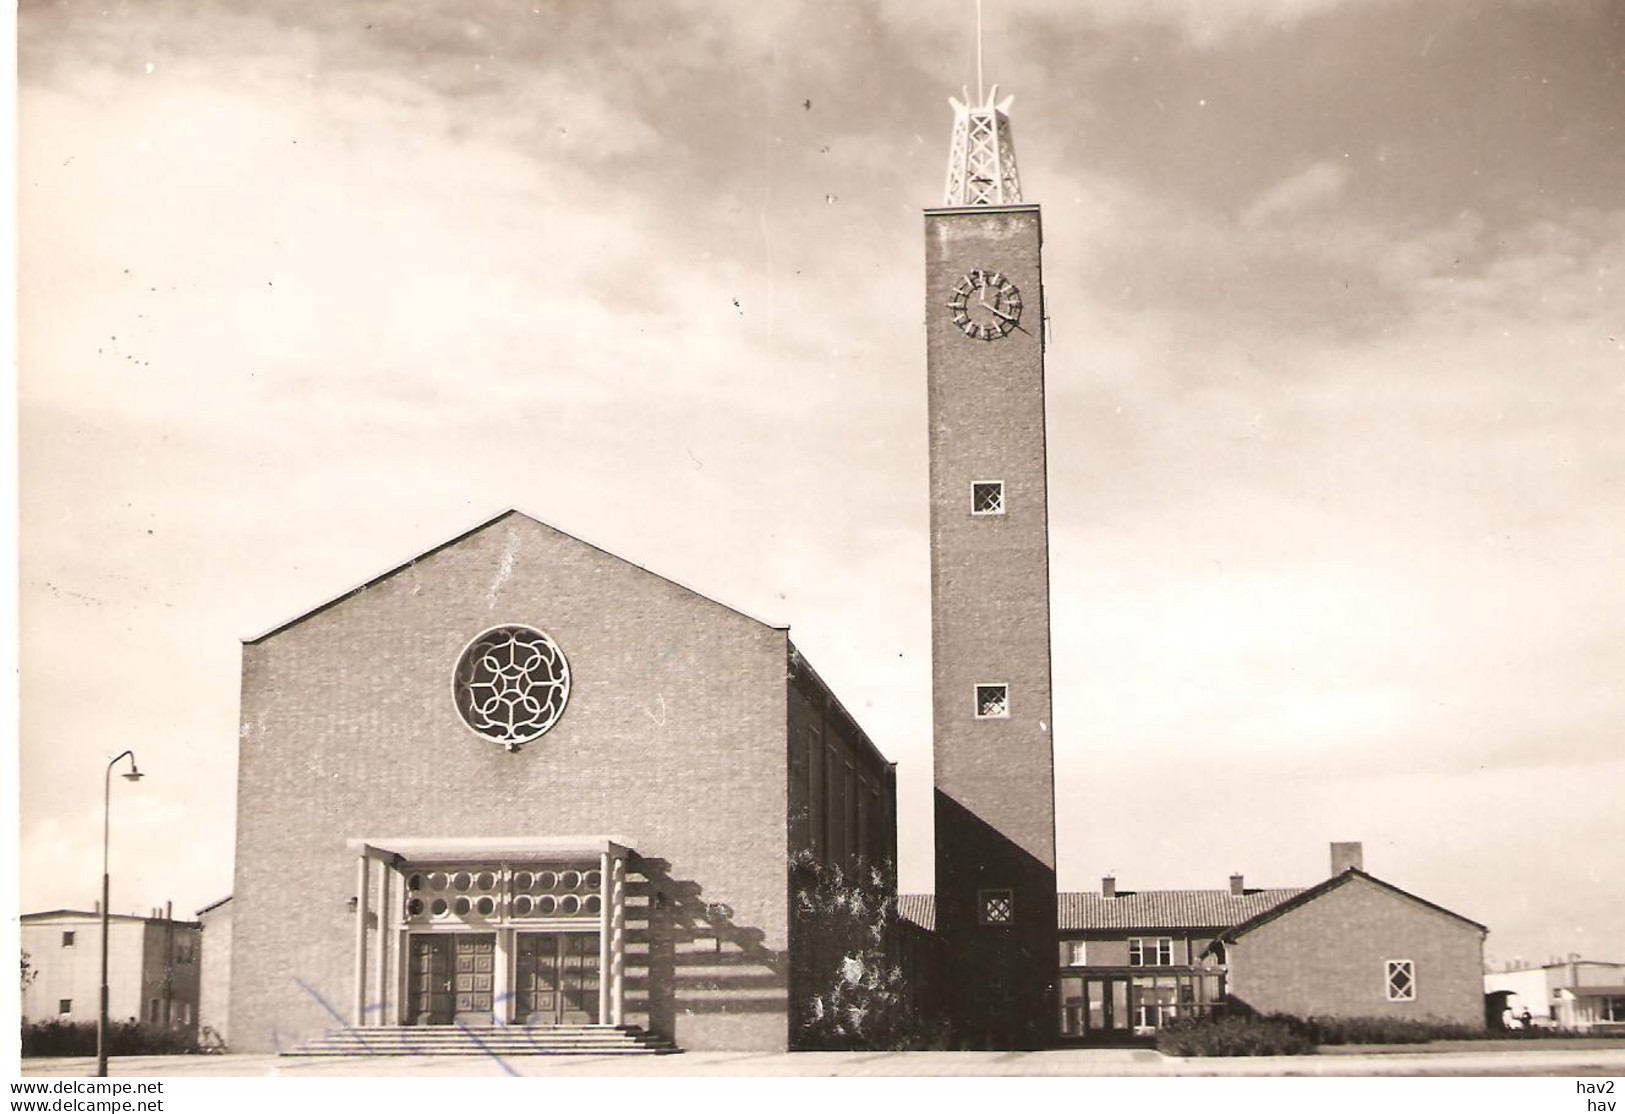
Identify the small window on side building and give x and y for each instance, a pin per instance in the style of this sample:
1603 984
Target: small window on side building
64 1006
67 938
1401 980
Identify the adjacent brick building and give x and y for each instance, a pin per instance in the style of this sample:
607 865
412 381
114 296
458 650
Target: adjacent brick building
153 965
1355 946
1352 946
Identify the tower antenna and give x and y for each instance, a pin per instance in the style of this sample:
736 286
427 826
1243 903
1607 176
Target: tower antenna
980 93
981 158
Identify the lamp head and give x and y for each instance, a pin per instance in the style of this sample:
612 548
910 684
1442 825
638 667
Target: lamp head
133 775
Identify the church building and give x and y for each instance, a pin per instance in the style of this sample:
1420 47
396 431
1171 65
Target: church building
519 783
519 793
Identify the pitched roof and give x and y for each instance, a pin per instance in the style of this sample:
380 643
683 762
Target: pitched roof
920 909
1150 909
448 543
1330 884
1165 908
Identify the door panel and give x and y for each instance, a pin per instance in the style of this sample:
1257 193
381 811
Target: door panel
536 978
475 954
428 989
580 983
556 978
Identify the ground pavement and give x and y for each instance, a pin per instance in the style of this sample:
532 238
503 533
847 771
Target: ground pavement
1595 1059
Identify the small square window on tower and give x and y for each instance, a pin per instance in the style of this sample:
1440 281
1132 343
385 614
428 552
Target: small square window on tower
1401 980
64 1006
992 701
995 907
67 938
987 497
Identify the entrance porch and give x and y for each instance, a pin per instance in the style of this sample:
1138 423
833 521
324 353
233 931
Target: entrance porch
490 932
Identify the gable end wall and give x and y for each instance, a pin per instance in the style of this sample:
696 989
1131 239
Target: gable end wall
1327 958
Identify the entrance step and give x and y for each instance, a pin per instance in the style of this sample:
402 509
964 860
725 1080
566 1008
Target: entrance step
495 1040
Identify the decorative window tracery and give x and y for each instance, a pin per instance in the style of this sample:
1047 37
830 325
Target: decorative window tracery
987 497
511 685
992 701
1401 980
996 907
491 893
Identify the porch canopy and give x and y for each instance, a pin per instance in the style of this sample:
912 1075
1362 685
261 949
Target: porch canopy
392 852
419 849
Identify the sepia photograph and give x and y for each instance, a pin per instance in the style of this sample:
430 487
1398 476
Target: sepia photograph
636 539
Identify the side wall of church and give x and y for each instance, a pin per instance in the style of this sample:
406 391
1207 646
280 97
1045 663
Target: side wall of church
843 817
673 738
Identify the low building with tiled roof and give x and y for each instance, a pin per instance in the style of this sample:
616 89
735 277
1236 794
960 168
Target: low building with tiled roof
1352 945
1090 911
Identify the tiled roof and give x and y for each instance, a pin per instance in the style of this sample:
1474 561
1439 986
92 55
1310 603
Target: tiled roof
920 909
1164 909
1352 874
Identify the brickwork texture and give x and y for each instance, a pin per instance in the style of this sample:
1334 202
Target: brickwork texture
1327 958
674 737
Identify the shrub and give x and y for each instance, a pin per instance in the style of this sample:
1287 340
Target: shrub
1388 1030
1234 1034
857 997
1241 1032
124 1038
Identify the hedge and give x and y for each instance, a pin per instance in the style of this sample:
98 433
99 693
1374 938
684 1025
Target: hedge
124 1038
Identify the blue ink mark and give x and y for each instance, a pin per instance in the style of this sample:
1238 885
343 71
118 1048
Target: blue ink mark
333 1013
500 1062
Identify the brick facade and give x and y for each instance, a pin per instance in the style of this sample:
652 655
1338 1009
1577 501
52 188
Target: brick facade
1327 957
214 976
675 736
994 777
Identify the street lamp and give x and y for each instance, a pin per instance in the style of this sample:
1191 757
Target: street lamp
107 801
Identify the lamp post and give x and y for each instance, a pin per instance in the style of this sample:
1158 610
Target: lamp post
107 802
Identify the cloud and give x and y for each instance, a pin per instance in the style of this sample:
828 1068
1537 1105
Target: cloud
1207 24
1314 186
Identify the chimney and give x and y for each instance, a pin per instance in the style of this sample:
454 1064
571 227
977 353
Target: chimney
169 910
1108 886
1347 856
1237 886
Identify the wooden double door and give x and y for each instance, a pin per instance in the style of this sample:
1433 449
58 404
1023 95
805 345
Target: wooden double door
555 978
451 978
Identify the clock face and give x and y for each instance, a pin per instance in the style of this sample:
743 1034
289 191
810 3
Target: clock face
985 305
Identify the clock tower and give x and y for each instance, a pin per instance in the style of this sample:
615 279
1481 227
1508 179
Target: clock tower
990 644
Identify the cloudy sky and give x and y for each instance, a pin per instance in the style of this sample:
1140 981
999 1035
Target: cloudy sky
1336 392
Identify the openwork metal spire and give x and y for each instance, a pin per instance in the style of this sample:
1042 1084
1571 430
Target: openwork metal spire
982 160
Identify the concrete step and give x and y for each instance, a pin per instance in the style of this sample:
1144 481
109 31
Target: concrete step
548 1040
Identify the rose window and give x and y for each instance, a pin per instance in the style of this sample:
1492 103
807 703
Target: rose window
512 684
